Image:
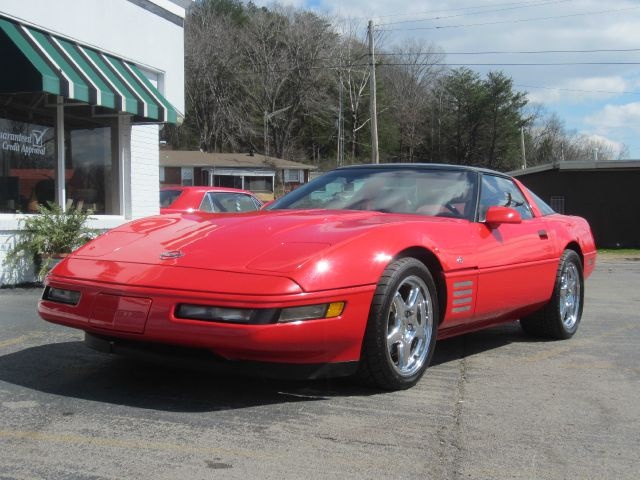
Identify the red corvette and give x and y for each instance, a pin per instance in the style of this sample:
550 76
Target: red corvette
358 271
207 199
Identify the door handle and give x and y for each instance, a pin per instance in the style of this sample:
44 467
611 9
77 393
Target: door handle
543 234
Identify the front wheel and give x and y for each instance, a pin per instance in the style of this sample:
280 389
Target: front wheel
561 316
401 330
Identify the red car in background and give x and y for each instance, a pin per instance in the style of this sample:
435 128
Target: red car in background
207 199
360 270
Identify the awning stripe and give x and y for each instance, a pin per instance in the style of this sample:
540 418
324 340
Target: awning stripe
140 78
66 85
78 89
149 107
97 89
171 115
125 101
87 75
50 81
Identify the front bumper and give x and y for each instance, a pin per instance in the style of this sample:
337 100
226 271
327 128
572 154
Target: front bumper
145 314
205 360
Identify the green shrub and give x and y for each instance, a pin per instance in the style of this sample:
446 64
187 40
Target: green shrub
50 233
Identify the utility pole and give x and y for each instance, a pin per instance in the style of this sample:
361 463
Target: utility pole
372 87
340 149
524 154
266 147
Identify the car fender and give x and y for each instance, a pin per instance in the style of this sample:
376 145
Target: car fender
361 260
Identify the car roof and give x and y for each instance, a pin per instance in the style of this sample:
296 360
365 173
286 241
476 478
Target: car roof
204 188
425 166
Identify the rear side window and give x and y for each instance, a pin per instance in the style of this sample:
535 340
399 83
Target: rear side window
167 197
545 209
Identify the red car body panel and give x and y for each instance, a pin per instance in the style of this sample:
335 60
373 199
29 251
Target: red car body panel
132 278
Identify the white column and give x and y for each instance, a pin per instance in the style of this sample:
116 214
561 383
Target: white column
61 193
124 165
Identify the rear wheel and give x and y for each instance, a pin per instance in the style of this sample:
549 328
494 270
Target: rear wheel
401 331
561 316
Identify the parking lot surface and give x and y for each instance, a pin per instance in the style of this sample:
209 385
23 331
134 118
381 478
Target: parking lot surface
494 404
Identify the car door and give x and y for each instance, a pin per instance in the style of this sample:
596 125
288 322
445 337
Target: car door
516 263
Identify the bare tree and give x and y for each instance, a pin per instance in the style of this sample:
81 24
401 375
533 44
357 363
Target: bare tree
413 70
285 51
353 79
216 107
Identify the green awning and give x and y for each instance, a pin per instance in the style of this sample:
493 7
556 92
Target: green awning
48 63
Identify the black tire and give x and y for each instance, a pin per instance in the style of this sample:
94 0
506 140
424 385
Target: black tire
401 331
560 317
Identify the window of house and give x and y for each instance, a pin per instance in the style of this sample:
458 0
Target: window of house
259 184
227 181
293 176
170 176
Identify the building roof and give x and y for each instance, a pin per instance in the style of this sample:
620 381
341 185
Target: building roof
581 166
191 158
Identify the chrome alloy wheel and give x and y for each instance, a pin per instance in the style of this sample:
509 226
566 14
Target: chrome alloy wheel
570 296
409 326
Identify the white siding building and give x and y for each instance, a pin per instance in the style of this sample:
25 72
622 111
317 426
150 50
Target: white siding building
84 89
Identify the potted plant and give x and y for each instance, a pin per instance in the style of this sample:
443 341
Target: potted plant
50 235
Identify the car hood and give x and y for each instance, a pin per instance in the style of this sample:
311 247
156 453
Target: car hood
277 241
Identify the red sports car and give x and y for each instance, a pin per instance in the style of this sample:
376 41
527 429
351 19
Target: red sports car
207 199
358 271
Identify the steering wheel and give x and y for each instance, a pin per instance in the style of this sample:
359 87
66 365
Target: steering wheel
453 209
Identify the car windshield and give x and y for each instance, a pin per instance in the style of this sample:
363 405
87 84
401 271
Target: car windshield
423 191
167 197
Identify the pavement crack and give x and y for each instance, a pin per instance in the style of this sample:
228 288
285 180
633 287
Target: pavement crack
355 441
454 441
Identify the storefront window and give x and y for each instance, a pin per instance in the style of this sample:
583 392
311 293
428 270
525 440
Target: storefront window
90 180
27 154
29 157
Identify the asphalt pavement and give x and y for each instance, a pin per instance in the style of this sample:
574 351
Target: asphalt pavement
494 405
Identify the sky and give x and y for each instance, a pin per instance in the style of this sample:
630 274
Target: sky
583 56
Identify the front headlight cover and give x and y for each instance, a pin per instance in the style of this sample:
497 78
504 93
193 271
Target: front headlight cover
214 314
250 316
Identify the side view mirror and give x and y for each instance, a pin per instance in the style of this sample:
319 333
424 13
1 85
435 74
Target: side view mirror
496 216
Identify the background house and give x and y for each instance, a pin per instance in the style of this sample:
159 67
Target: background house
605 193
267 177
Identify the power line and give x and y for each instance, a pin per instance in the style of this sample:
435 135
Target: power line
404 64
573 90
483 12
360 57
513 64
520 20
517 52
476 7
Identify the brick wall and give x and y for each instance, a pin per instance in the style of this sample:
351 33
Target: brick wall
145 176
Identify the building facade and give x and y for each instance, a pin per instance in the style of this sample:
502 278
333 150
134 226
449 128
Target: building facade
603 192
86 86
